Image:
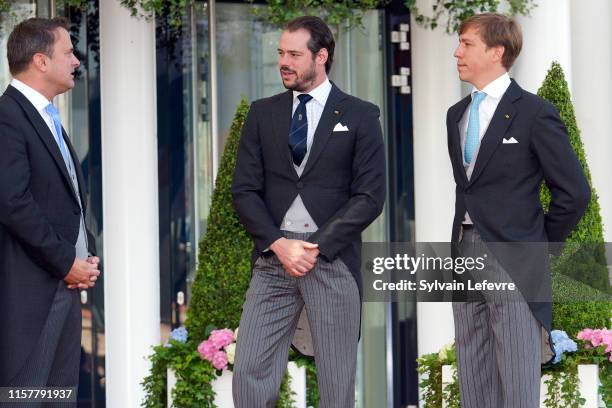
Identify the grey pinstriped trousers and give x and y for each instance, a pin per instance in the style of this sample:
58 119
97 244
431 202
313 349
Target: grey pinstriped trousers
269 318
55 360
498 343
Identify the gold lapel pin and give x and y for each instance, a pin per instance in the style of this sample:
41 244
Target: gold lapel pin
337 112
507 116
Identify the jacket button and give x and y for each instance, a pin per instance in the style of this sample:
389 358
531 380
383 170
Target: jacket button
299 185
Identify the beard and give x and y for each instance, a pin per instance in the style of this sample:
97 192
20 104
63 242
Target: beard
303 81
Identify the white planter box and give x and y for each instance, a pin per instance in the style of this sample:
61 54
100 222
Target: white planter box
588 375
222 386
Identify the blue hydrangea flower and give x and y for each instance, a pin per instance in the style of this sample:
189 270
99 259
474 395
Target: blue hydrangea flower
179 334
562 344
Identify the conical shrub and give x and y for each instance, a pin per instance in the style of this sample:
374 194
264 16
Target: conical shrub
583 259
224 267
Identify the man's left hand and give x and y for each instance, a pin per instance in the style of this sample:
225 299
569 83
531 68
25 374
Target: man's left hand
93 278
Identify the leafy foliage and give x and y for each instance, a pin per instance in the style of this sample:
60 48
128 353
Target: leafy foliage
430 369
458 10
348 13
193 382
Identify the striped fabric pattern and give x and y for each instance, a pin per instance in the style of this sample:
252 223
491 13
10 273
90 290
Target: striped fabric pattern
273 305
498 343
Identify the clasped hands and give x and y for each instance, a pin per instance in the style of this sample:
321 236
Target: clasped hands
298 257
83 274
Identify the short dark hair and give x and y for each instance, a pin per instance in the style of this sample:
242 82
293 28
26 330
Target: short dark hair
30 37
497 30
320 36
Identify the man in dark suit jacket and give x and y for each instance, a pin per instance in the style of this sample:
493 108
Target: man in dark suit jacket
44 245
310 177
503 142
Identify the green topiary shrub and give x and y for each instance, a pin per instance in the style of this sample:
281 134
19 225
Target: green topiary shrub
583 262
224 265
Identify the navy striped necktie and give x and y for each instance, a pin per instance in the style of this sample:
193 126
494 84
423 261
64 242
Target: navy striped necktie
298 134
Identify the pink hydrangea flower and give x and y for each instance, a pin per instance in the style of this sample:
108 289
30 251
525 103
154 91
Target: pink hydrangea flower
219 360
585 335
597 337
207 350
221 338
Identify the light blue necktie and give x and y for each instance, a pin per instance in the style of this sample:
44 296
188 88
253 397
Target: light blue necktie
59 138
473 129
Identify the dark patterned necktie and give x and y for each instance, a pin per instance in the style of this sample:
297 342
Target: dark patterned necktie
298 134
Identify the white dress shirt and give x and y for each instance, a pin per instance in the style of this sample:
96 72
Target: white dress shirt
297 218
494 92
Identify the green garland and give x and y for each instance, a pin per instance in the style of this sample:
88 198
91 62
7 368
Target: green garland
458 10
348 14
562 385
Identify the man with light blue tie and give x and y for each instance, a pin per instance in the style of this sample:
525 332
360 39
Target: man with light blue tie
46 252
503 143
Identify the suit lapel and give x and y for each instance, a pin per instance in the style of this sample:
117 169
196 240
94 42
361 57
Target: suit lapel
332 113
43 132
77 170
456 136
282 123
502 118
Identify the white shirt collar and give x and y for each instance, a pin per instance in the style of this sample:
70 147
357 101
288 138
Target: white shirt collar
496 88
37 99
319 94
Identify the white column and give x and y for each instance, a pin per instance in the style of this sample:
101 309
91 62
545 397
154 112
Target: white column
130 202
435 88
546 38
592 95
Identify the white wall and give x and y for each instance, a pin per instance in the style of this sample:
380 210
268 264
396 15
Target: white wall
592 94
546 38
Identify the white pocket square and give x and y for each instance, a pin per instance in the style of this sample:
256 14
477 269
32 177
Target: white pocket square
510 141
340 128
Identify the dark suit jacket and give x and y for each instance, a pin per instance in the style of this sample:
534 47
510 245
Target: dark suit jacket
342 186
502 195
39 226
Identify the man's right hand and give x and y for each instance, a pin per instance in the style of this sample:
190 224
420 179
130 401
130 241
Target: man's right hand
294 255
82 275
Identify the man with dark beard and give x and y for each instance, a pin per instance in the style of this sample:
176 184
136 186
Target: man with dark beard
310 177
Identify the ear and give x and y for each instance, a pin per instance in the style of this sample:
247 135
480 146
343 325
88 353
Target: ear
499 53
40 62
322 56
